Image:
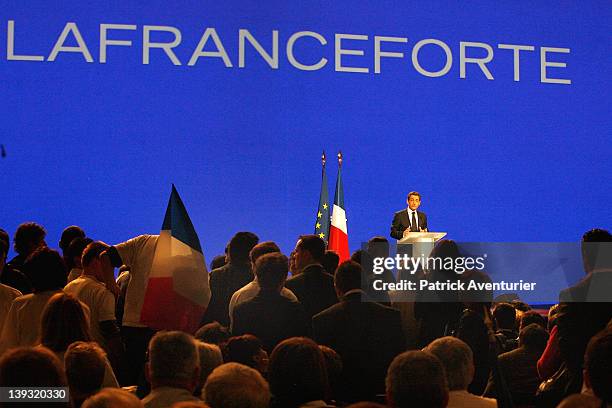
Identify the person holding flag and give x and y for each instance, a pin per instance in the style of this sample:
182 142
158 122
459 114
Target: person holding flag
168 288
338 235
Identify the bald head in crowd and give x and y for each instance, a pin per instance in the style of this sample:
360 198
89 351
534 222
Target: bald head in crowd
416 379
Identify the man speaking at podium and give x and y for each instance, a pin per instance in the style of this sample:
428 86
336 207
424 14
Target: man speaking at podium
409 220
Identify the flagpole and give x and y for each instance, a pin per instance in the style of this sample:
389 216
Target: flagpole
323 158
340 158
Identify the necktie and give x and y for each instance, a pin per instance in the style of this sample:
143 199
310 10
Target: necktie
414 226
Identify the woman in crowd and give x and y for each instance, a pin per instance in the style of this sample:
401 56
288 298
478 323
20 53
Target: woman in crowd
64 321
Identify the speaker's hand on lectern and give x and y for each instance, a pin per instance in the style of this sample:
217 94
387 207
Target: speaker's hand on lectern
423 229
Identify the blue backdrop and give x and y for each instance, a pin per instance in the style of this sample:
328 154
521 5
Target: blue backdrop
98 145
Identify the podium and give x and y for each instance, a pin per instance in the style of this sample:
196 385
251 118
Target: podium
417 244
415 237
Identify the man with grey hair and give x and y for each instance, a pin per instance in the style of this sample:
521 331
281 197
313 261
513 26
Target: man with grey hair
416 379
112 398
211 357
173 369
234 385
457 359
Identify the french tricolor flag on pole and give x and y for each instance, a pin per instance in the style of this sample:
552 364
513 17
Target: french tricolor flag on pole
338 235
177 290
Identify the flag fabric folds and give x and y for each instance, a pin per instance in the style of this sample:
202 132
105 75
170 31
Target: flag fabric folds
322 220
177 291
338 235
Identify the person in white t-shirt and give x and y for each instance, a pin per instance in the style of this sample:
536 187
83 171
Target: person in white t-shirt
251 289
137 254
89 289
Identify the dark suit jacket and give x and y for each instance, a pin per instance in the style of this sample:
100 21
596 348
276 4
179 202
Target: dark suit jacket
314 289
401 222
224 281
519 369
594 287
367 336
271 317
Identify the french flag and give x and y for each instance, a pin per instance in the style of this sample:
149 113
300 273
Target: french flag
177 290
338 235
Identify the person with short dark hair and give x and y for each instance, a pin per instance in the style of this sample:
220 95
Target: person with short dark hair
10 276
586 307
236 385
213 333
68 235
251 289
596 248
313 286
269 315
598 366
504 315
74 252
519 367
438 312
29 237
173 369
330 261
85 367
367 335
248 350
224 281
416 379
378 247
532 317
297 374
22 325
409 219
366 260
475 328
217 262
90 289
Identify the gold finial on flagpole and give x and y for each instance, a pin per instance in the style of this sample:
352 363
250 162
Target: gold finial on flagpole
340 158
323 158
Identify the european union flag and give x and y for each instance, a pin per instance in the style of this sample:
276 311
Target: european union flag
323 218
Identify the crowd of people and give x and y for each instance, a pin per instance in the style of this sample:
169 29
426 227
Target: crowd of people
287 332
